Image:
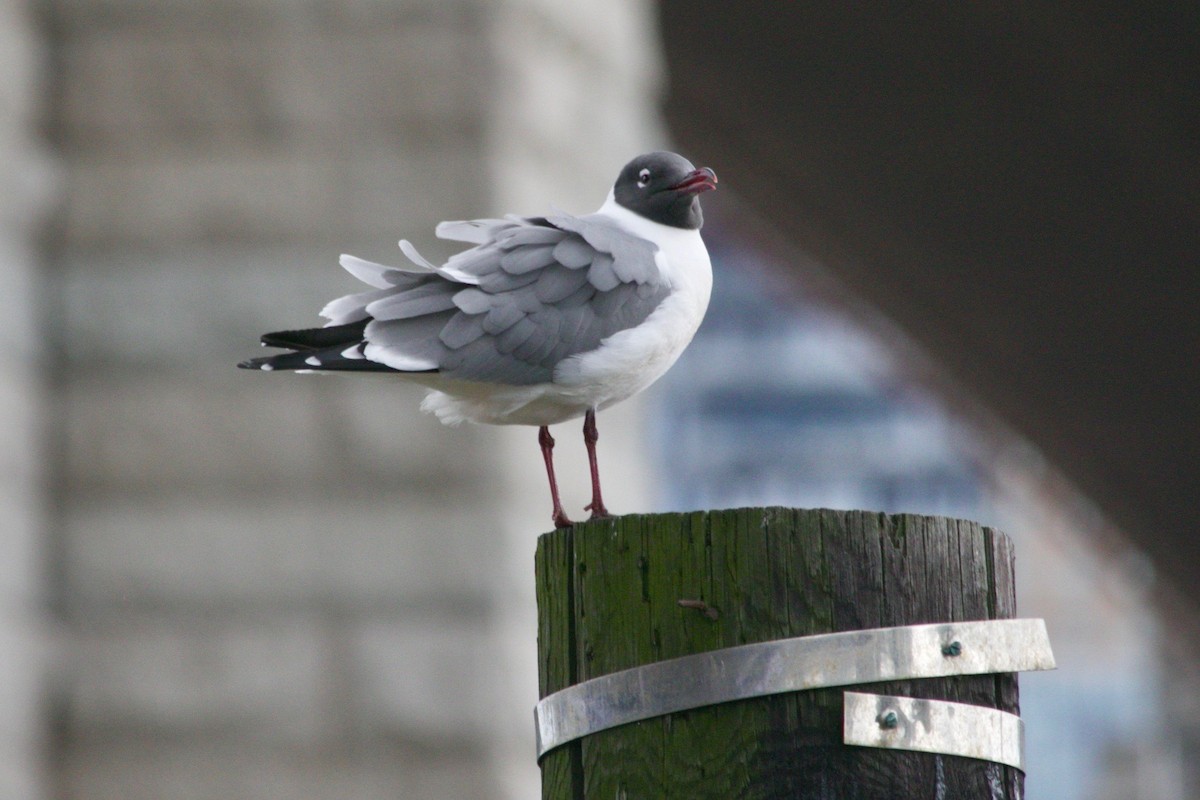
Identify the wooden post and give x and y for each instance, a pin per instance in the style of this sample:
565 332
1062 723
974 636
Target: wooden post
609 597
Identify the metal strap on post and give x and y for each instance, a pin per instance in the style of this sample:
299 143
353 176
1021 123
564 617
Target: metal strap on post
934 726
789 665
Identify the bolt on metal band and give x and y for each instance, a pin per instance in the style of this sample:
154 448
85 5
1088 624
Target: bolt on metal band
934 726
789 665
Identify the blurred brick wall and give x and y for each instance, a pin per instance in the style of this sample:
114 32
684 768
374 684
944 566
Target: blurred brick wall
27 179
281 586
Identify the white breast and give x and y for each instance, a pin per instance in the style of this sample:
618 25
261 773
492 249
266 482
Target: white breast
629 361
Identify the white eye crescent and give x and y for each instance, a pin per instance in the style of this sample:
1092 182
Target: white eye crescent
643 178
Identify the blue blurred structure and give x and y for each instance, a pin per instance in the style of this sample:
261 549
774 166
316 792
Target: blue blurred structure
781 401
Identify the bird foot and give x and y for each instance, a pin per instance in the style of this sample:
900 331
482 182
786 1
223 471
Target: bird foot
561 520
598 510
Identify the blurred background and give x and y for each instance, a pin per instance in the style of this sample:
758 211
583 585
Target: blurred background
954 265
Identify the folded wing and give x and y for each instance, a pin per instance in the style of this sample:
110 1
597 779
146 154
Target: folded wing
531 292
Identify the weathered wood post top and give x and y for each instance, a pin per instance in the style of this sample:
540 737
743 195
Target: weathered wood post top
669 663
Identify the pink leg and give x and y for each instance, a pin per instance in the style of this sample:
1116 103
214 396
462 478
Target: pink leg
589 438
547 443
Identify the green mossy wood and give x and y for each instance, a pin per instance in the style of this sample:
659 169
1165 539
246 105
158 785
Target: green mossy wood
608 599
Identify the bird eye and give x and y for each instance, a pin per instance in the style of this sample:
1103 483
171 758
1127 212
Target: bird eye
643 178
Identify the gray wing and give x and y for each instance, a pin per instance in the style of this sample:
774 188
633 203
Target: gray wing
529 294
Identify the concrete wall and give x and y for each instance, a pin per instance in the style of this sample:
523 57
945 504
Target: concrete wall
282 586
26 179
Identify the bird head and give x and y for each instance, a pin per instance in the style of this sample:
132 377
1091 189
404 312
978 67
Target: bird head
665 188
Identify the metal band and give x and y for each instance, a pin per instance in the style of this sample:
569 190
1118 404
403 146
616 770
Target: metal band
789 665
934 726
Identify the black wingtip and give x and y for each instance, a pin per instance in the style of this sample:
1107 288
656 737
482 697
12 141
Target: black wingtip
253 363
330 360
317 338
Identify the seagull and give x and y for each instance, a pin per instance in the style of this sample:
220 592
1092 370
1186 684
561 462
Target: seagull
542 320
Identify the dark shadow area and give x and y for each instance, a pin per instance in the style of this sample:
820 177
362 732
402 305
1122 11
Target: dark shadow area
1017 186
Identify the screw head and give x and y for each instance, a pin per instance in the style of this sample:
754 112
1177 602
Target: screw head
888 720
952 649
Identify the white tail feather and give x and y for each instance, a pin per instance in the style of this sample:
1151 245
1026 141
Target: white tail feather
368 272
462 231
411 253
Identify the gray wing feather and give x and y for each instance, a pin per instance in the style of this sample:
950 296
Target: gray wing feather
526 259
473 301
502 317
479 361
634 262
524 235
529 349
556 283
516 335
461 330
429 298
378 275
573 253
607 304
602 275
499 281
352 307
575 326
476 231
631 310
537 349
477 261
641 270
415 337
579 297
527 300
635 254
